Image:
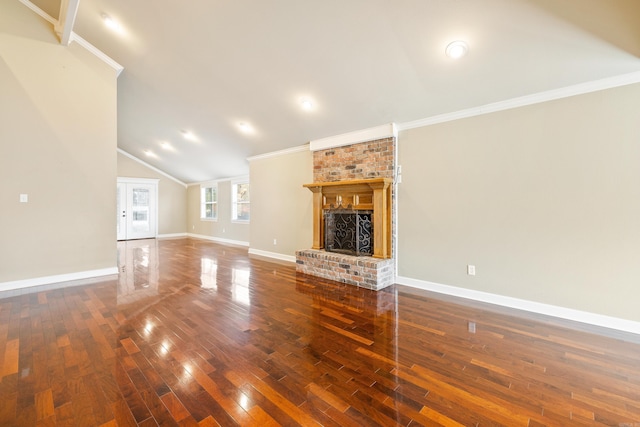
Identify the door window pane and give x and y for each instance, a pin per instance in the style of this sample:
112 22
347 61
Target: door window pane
140 210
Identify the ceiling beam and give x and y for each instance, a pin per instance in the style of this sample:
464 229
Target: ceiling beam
66 20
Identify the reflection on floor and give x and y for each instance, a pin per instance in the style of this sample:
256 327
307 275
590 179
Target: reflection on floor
196 333
138 266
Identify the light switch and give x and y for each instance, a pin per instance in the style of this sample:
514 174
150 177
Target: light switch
24 198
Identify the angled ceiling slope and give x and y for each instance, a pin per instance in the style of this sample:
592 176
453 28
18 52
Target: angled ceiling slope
209 66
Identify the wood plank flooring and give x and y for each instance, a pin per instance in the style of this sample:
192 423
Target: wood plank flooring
193 333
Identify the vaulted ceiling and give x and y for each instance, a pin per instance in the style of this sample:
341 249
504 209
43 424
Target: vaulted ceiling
205 66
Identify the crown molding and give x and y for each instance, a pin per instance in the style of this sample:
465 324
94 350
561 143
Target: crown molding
537 98
300 148
73 37
363 135
97 52
39 12
133 180
233 179
153 168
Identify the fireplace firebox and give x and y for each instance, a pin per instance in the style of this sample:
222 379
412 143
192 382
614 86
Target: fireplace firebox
349 231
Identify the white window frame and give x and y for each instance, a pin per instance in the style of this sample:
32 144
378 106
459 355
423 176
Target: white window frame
235 203
203 203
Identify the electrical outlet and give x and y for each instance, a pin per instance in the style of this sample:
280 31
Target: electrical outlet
471 270
275 242
24 198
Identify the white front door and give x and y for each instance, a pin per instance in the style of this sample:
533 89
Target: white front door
136 208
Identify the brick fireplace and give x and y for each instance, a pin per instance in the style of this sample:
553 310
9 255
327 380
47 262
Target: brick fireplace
355 179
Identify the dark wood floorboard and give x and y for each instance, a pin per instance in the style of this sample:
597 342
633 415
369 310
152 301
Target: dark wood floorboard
194 333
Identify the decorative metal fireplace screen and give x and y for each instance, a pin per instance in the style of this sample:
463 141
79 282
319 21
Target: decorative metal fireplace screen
349 231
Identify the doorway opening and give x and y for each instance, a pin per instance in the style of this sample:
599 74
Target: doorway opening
137 208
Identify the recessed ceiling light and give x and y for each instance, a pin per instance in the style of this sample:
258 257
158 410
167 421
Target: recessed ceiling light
165 145
188 135
306 104
149 153
457 49
111 23
245 127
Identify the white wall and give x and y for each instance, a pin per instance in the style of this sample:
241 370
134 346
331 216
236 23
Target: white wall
281 206
58 145
544 200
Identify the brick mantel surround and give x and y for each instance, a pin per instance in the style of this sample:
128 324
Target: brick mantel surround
372 159
353 169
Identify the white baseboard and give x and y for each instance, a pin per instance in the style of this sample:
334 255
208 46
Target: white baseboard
274 255
171 236
48 280
531 306
219 240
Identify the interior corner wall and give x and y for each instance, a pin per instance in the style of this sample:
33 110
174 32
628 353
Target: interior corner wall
172 196
544 200
281 208
58 134
223 229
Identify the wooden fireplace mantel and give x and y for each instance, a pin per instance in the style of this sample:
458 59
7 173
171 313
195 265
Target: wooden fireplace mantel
360 194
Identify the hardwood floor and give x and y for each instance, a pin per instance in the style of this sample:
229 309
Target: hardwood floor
198 334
